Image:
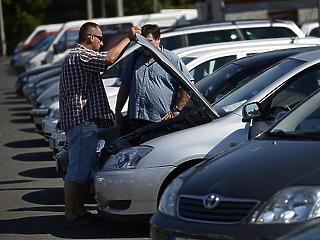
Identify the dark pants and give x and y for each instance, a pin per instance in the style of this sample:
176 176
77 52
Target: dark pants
131 124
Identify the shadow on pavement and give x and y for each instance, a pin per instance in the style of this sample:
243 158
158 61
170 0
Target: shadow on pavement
34 157
21 120
57 209
14 182
52 196
32 143
53 225
21 114
46 196
46 172
10 93
15 97
14 102
20 108
28 130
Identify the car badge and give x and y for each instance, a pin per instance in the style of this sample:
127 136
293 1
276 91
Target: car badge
211 201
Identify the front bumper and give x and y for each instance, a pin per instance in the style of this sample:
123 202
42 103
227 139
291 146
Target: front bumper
37 115
49 126
57 140
131 191
166 227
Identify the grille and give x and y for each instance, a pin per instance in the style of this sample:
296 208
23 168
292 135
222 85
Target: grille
227 210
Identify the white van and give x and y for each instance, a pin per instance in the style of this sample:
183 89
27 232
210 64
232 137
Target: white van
68 34
42 28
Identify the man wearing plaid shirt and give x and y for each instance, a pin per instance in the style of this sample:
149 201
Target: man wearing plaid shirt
84 108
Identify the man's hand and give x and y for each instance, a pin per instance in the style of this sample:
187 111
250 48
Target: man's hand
134 30
170 115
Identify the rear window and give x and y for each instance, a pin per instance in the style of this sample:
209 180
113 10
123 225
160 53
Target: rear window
173 42
267 32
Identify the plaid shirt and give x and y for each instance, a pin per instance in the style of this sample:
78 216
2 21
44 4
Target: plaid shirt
82 96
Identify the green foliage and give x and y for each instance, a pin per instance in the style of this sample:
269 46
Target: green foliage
21 17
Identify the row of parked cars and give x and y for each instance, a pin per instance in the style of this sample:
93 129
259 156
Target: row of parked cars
218 171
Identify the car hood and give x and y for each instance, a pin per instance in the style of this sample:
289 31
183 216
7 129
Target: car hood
256 170
50 92
178 75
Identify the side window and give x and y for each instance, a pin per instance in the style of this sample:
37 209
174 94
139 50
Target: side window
61 44
311 123
267 32
173 42
209 67
298 89
72 37
212 37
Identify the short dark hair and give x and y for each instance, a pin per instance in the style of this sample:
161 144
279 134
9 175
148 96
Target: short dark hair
151 28
84 29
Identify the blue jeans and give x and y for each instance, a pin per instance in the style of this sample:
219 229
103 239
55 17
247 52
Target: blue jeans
82 141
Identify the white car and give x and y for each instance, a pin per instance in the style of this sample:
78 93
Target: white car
200 61
310 29
133 179
203 60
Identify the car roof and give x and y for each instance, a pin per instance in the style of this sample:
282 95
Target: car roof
200 27
245 45
266 56
308 56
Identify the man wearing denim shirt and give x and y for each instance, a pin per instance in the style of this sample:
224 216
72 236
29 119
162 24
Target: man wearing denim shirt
153 94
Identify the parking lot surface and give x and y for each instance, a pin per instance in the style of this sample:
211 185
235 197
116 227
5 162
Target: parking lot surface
31 193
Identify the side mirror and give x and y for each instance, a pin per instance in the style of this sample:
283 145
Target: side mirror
251 111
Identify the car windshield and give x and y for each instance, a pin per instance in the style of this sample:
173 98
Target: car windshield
240 95
304 121
211 85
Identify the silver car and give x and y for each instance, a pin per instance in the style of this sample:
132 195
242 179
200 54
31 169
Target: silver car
132 181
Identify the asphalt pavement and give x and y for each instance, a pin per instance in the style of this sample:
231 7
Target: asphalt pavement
31 193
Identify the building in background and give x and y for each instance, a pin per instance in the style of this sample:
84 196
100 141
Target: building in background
298 11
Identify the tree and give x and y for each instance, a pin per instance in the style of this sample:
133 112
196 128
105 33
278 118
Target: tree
21 17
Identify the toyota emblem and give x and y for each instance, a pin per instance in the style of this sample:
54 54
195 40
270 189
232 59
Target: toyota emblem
211 201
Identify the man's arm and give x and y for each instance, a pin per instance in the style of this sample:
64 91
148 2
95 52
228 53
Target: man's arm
122 97
114 53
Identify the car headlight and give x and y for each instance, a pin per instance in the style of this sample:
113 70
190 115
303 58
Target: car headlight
127 158
168 199
293 204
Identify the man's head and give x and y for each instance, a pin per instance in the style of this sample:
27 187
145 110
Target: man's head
90 35
152 33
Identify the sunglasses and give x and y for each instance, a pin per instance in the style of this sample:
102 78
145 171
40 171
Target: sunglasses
97 36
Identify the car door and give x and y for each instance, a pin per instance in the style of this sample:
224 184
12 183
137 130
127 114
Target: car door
286 97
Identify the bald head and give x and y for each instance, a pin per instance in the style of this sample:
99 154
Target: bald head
85 29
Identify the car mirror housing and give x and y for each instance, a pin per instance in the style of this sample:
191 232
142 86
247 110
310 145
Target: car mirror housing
251 111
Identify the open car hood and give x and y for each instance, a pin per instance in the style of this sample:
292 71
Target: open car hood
183 81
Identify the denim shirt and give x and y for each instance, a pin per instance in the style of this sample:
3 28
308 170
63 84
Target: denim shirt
152 90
